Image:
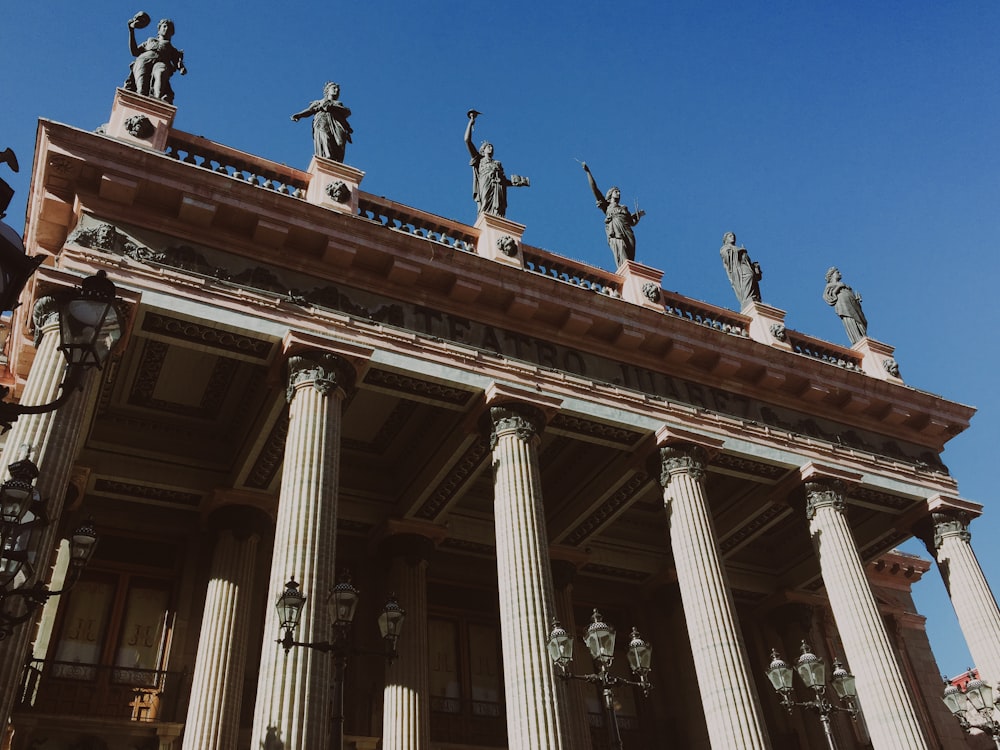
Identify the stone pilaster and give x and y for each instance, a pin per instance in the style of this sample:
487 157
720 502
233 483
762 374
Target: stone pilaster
884 696
535 719
577 725
213 718
948 540
728 695
406 697
293 706
54 438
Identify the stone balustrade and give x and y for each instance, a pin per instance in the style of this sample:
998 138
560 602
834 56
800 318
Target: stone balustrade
705 314
206 154
570 271
418 223
824 351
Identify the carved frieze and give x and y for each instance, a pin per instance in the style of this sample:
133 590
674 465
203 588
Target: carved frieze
271 455
619 499
586 428
146 492
461 472
408 385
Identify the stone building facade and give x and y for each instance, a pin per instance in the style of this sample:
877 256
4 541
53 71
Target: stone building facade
315 379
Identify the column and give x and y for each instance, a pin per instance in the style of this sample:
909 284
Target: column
577 726
213 718
406 698
949 542
293 691
883 694
534 717
54 438
728 695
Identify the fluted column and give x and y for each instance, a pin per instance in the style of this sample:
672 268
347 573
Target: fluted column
949 541
53 438
577 725
293 703
213 718
535 719
406 697
883 694
728 695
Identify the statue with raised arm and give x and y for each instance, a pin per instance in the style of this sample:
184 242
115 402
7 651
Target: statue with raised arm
156 60
847 304
489 183
744 274
618 220
331 131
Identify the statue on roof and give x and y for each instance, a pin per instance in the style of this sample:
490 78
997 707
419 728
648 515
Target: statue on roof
331 131
489 183
744 274
156 60
618 220
847 304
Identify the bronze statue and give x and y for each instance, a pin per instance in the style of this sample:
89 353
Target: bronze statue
744 274
331 131
489 183
847 304
156 60
618 220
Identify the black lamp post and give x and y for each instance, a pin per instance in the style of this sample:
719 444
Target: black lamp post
812 670
342 604
22 521
977 694
89 327
600 640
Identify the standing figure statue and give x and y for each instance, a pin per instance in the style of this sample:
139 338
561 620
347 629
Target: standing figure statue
744 274
847 303
489 183
156 60
618 220
331 131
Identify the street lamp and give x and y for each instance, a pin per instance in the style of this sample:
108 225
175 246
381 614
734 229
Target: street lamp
342 604
812 671
977 694
89 327
600 640
22 519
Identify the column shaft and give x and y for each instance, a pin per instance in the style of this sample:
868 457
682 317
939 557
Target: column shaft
293 691
406 698
883 694
54 439
577 726
970 593
213 718
534 716
729 697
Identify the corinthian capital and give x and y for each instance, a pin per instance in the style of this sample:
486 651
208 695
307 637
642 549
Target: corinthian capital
325 371
526 422
682 459
824 493
950 524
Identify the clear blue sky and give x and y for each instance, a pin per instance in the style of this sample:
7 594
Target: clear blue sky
852 133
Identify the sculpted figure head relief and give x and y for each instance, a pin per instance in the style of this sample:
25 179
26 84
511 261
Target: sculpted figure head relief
489 183
847 304
618 220
156 60
331 131
744 274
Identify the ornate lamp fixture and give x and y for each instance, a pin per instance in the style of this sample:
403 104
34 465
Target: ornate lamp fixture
342 603
812 670
979 696
600 640
22 521
89 327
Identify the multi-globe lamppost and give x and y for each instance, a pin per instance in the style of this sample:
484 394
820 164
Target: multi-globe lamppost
600 640
812 670
342 604
979 696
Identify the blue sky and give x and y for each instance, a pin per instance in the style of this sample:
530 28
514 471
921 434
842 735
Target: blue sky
856 134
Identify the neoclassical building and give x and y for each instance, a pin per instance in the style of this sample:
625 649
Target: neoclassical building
313 379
